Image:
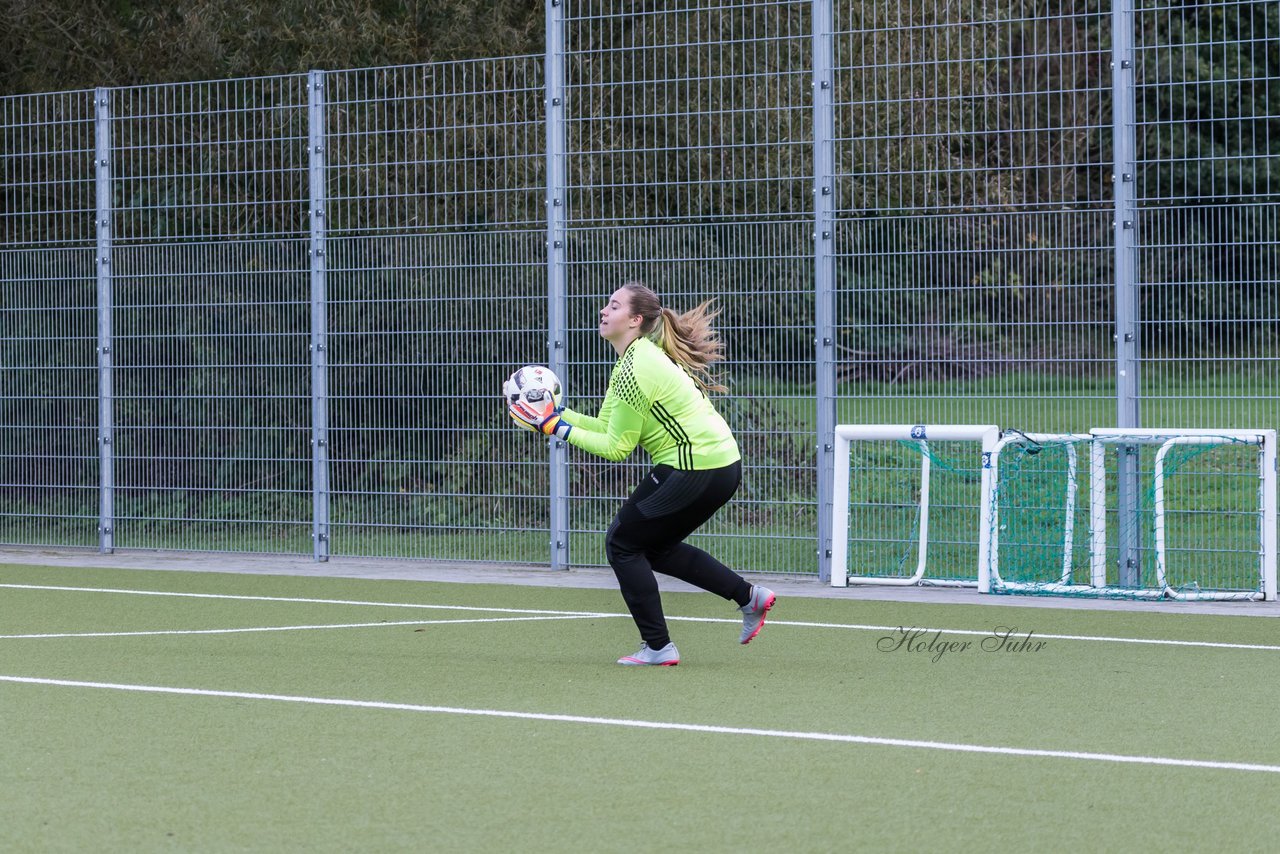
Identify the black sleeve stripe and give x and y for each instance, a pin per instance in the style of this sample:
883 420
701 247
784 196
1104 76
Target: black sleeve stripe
684 446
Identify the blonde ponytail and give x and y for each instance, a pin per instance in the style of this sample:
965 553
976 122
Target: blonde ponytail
692 343
687 338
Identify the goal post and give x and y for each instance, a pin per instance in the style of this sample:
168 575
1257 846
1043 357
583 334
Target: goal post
984 438
1035 443
1024 512
1263 543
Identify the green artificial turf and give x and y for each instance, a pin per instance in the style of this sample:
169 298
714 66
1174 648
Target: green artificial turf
103 768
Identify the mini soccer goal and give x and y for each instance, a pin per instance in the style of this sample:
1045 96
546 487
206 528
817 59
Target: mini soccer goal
1051 513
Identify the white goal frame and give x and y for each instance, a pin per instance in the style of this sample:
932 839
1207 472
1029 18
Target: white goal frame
989 573
845 434
992 442
1167 438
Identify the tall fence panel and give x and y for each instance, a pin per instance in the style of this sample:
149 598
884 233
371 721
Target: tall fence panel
210 305
437 291
975 279
49 464
689 168
1207 107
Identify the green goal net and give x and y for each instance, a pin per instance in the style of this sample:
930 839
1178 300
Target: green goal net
1181 514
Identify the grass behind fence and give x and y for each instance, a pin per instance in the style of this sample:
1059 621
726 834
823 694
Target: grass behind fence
770 527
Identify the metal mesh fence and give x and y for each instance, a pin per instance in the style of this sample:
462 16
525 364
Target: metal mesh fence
273 315
975 270
209 316
436 287
689 168
1208 212
48 320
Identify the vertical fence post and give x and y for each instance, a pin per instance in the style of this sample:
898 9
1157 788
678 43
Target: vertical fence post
557 287
824 192
1126 299
319 317
102 221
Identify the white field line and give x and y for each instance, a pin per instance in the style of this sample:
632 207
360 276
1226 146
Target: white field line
250 629
665 725
302 601
893 630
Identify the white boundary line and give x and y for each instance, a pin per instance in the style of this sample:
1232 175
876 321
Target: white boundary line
297 600
251 629
551 614
663 725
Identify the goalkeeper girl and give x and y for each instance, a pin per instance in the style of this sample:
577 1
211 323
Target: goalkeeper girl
657 399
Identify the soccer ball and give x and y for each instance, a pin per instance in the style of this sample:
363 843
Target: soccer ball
534 384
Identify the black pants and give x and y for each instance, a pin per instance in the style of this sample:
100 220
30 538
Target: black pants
648 535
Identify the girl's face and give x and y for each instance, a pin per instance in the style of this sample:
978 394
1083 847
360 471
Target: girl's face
617 323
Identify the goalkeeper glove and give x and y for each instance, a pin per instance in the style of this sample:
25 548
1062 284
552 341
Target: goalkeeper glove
540 417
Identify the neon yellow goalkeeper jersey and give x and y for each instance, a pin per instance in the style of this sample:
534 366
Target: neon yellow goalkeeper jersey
652 402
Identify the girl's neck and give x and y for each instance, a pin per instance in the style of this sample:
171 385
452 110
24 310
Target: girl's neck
620 346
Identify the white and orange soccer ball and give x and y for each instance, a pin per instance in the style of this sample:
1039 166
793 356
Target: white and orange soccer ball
533 384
